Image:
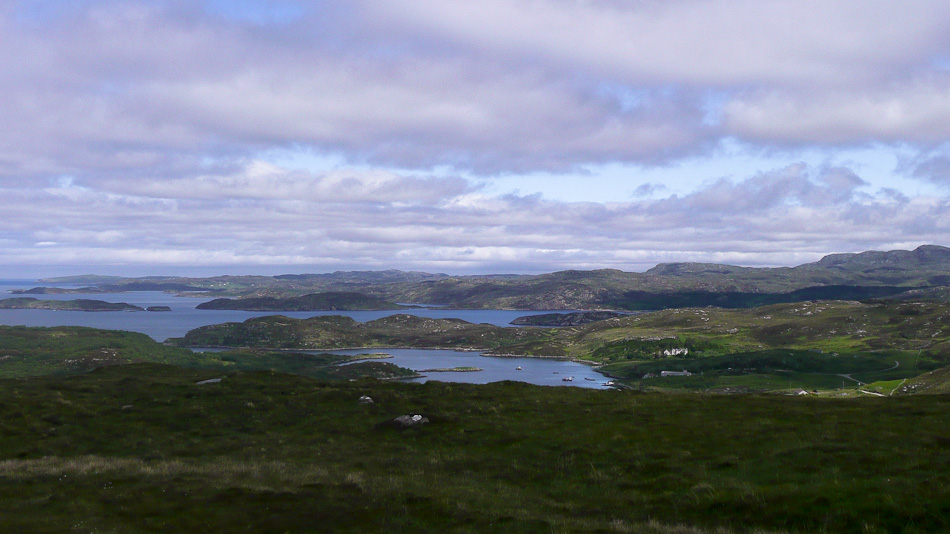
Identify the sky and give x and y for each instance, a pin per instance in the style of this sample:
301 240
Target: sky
196 137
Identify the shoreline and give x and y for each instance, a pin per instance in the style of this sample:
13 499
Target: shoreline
483 352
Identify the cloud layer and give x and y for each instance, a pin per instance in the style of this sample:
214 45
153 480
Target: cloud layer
135 132
262 215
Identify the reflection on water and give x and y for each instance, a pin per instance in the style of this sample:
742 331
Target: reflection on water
541 371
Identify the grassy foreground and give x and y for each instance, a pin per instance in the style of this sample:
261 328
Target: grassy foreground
146 448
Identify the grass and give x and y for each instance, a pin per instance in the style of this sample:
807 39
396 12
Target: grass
144 448
770 370
74 350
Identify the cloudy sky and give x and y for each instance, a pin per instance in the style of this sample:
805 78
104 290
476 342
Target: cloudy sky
224 136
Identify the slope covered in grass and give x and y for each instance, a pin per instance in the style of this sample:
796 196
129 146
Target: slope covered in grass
73 350
151 448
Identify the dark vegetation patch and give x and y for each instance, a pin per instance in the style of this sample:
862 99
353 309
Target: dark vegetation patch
325 332
565 319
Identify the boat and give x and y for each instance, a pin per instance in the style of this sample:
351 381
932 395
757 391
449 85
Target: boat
518 368
589 378
568 379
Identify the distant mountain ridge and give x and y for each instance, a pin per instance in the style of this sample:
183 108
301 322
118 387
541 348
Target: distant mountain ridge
923 272
924 255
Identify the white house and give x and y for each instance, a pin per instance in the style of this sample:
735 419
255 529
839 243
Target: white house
676 352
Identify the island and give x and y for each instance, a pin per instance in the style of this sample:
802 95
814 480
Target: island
27 303
42 290
326 301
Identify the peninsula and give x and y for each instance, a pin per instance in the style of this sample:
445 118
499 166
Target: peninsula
24 303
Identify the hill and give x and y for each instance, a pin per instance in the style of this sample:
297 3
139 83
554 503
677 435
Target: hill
338 332
328 301
76 350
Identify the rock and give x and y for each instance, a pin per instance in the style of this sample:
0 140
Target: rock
366 399
208 381
411 420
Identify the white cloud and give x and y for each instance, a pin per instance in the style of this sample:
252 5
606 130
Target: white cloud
774 217
138 131
915 111
702 43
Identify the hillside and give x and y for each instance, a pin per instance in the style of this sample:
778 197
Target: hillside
59 351
31 351
936 382
806 345
153 448
337 332
329 301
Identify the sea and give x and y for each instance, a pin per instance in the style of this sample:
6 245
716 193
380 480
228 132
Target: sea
184 317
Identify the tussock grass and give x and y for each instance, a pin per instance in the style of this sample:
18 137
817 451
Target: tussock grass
225 470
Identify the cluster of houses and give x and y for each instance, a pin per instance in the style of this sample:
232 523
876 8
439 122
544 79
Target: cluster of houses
671 352
676 352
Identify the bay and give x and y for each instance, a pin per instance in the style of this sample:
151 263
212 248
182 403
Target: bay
184 317
538 371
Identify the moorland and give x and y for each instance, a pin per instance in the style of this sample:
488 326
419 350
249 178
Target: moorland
160 448
805 399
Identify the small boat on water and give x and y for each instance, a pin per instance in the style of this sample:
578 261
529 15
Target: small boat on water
518 368
589 378
568 379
